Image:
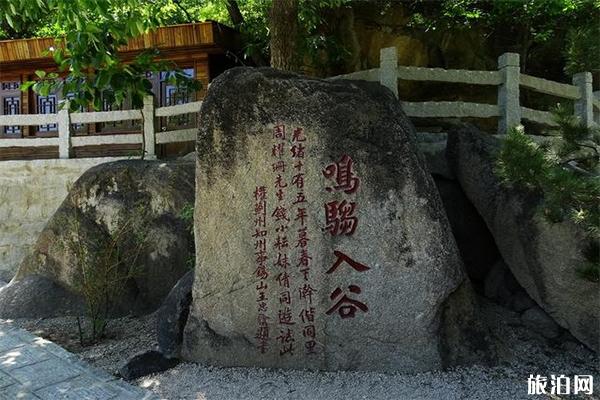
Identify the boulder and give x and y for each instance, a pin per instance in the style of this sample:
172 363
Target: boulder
172 316
38 297
542 256
127 212
146 363
323 243
537 320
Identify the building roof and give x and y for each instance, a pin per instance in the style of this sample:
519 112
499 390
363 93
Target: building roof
210 36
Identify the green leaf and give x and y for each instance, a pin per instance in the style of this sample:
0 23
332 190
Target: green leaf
44 90
102 79
92 28
10 21
26 85
40 74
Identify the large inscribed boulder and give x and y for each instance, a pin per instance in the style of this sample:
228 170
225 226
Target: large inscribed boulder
321 241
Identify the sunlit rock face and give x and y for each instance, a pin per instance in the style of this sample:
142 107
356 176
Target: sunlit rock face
543 256
321 241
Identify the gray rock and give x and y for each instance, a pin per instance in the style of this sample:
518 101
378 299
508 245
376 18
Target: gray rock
172 316
138 202
189 156
543 256
537 320
511 284
433 147
149 362
38 297
6 276
402 263
466 338
495 284
521 301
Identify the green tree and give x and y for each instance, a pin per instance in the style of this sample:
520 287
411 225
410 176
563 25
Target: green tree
89 35
524 25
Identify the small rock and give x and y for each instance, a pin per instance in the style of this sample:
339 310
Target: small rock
189 156
146 363
510 282
537 320
495 286
172 316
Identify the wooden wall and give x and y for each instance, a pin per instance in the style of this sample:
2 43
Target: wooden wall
188 46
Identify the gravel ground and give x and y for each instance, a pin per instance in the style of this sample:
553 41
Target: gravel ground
125 338
522 352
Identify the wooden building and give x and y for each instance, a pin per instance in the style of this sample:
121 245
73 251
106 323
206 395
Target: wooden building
199 49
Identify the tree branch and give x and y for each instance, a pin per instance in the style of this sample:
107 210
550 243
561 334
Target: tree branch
237 18
182 8
234 13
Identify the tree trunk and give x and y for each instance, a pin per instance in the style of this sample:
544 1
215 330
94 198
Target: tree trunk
284 34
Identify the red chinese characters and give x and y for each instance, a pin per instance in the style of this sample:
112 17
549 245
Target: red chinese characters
280 217
305 291
346 306
341 219
261 271
342 175
283 253
340 216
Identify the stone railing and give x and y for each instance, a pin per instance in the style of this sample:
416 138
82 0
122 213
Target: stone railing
66 141
507 78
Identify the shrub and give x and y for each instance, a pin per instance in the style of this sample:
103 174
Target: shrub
106 266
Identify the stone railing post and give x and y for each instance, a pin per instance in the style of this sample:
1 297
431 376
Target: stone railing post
64 131
149 134
388 69
508 92
583 106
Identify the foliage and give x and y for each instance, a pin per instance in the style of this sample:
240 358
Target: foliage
87 53
565 172
582 51
187 215
315 39
106 266
525 24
